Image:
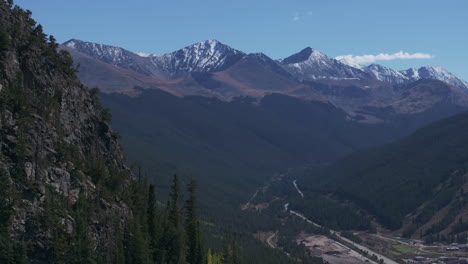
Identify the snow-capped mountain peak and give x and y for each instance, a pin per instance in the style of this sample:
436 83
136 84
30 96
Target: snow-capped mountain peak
113 55
206 56
304 55
437 73
348 61
110 54
212 55
145 55
384 74
311 64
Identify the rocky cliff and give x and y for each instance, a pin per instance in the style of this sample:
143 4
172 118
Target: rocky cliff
63 182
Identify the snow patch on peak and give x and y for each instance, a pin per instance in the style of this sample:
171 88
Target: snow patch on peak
71 43
145 55
437 73
307 54
315 54
385 74
206 56
350 62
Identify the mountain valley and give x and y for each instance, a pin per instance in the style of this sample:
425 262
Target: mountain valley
209 154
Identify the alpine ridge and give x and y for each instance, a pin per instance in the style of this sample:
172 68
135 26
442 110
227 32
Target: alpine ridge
210 68
206 56
213 56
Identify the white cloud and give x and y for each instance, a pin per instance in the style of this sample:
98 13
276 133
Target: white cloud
382 56
296 17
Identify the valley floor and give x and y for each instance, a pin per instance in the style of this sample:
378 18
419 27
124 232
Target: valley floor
336 249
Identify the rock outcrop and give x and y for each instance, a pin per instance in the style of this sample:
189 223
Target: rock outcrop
59 158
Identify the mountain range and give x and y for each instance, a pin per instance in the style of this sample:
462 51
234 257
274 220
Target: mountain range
214 56
179 108
213 69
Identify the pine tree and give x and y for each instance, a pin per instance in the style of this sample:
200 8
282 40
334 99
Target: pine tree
231 252
153 224
6 211
175 250
81 251
192 229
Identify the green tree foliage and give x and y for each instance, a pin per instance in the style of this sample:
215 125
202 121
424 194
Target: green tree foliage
192 227
6 249
231 253
394 180
4 41
213 258
153 224
82 250
175 237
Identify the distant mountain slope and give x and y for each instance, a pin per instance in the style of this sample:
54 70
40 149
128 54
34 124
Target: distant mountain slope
311 64
236 145
206 56
410 180
436 73
213 56
212 69
115 56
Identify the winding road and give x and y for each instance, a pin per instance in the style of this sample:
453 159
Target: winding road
370 252
268 240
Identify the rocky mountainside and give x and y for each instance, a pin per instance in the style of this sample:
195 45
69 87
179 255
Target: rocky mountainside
214 56
206 56
212 69
64 188
436 73
311 64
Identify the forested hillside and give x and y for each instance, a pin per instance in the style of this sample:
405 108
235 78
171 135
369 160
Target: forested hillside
407 182
66 195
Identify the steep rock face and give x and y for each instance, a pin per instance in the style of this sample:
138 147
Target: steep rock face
57 151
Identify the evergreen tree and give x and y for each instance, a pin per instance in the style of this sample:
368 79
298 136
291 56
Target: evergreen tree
136 246
153 224
175 250
6 211
192 229
82 251
231 252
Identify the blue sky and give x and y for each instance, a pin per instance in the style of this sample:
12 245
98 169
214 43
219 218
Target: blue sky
277 28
